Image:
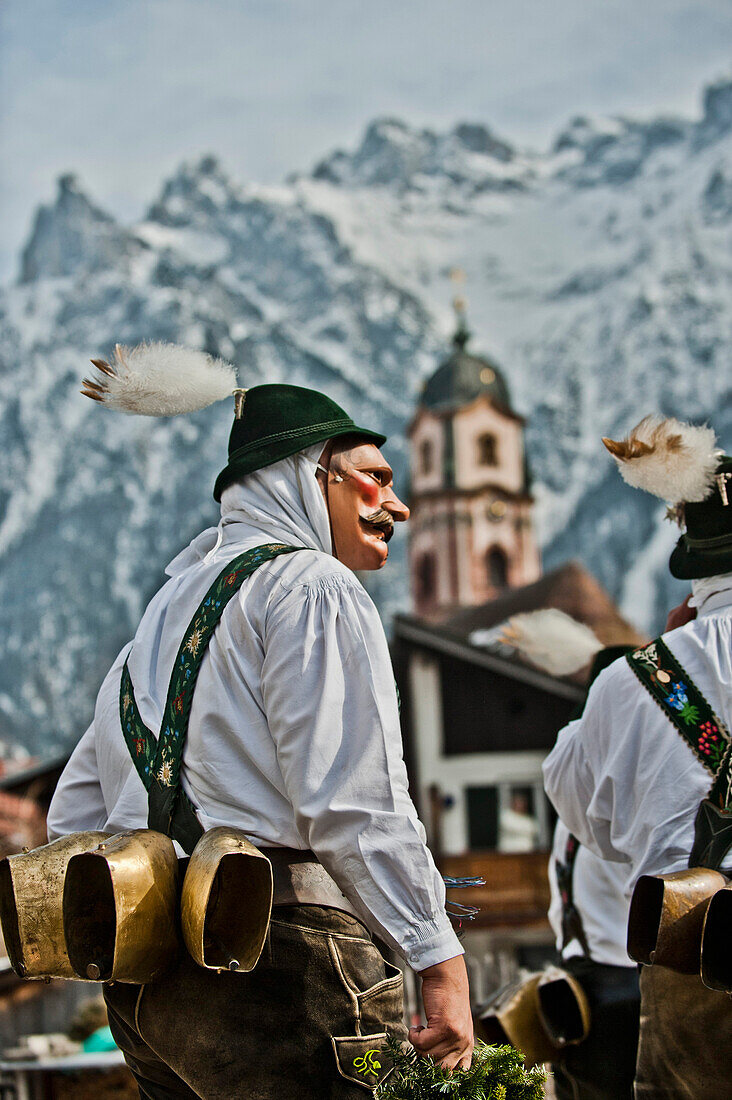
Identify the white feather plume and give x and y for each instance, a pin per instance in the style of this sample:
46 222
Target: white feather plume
670 459
160 380
551 640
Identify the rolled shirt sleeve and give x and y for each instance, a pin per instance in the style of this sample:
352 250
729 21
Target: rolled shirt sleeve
331 705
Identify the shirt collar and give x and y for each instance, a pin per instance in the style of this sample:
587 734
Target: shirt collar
712 593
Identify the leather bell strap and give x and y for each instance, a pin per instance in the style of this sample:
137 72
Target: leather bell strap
300 879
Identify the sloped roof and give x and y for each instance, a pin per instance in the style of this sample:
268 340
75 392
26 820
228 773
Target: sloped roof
500 660
570 588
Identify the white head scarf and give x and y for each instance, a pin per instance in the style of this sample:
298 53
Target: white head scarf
280 503
283 501
704 588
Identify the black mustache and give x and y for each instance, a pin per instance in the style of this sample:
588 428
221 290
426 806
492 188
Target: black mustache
381 519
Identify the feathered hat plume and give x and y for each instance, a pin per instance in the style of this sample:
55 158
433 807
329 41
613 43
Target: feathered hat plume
160 380
672 460
551 640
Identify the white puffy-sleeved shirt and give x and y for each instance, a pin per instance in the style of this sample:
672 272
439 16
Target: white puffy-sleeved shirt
294 730
622 778
599 889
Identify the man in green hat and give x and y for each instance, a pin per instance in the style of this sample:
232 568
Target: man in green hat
293 737
644 777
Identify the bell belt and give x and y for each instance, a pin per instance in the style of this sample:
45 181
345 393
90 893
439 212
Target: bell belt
301 879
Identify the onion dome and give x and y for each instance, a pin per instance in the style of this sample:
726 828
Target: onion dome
464 377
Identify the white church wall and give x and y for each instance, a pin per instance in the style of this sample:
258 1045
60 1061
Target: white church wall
470 423
427 432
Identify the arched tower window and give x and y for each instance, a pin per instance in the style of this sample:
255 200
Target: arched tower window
426 456
497 567
487 450
425 577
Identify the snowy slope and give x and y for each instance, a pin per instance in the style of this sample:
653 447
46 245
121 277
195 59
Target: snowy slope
599 274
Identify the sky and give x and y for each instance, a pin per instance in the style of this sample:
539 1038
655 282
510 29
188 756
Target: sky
121 91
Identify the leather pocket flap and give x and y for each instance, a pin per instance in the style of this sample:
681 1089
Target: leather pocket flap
365 1060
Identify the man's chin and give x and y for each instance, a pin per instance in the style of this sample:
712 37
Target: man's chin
378 554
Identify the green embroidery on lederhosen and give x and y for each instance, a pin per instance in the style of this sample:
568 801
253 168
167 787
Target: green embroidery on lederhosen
159 759
368 1065
685 706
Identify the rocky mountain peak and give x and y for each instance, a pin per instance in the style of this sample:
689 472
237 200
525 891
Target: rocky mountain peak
393 154
390 153
73 234
717 119
476 138
614 150
196 188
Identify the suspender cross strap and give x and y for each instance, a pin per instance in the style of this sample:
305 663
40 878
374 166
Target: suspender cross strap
158 760
706 735
572 927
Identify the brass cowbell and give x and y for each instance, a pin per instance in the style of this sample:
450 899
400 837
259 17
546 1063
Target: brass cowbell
31 892
667 916
120 908
226 901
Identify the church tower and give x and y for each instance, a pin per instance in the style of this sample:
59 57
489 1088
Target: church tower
471 533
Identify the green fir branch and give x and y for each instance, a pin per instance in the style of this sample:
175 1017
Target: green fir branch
496 1073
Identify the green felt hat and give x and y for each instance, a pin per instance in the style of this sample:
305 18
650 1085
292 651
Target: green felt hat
276 421
705 548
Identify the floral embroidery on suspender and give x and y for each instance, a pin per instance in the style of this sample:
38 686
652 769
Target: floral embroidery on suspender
685 706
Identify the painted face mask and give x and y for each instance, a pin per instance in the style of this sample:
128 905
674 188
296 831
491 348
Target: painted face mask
369 491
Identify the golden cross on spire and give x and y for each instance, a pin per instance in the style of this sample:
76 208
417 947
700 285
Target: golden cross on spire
462 335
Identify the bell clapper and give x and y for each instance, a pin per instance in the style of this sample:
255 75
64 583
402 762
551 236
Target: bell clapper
94 972
232 964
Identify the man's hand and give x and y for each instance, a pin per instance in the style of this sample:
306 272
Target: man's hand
448 1037
681 615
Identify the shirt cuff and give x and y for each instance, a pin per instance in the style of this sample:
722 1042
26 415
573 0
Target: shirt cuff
431 942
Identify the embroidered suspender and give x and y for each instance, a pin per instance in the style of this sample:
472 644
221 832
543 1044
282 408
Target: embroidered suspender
158 760
706 735
572 927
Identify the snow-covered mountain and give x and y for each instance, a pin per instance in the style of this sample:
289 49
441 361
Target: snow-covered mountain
599 275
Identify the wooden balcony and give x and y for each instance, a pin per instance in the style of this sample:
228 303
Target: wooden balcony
516 892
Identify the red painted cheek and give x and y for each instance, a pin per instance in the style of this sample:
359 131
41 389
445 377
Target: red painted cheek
368 488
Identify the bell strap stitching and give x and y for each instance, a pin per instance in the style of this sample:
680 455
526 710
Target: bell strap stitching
688 710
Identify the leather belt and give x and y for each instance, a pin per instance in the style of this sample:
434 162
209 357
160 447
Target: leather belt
301 879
